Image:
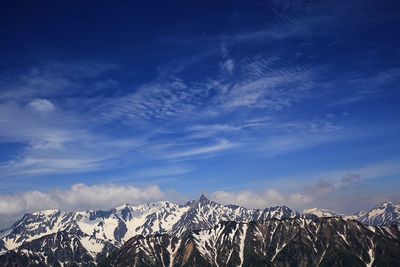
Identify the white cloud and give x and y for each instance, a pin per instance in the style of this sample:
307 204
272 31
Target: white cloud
42 105
228 66
54 79
106 196
261 199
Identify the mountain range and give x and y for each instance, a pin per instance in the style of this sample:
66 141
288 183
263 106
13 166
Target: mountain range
57 238
386 213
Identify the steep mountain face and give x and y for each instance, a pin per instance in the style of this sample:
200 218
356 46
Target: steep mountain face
288 242
386 213
61 248
96 233
2 247
114 226
321 212
204 214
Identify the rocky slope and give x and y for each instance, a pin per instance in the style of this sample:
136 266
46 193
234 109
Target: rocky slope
288 242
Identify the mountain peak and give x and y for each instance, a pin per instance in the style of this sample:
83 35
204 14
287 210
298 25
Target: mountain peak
123 206
203 198
385 204
45 212
321 212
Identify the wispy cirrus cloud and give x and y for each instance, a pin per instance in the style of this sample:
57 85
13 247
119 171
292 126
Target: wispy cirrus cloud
50 80
274 136
61 138
265 82
212 130
170 98
366 87
260 82
193 149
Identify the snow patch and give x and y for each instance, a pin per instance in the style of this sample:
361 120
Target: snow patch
242 239
92 245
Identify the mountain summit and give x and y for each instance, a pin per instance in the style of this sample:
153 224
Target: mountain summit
386 213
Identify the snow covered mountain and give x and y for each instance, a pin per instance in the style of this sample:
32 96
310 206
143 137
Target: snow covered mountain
289 242
386 213
321 212
113 226
97 233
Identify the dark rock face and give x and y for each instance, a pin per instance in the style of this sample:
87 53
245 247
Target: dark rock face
2 246
288 242
15 259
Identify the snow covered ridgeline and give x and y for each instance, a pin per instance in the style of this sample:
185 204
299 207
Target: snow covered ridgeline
386 213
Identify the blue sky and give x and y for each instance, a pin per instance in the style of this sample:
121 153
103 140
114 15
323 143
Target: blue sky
251 102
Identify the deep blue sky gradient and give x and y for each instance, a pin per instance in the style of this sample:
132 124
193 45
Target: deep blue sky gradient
203 97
